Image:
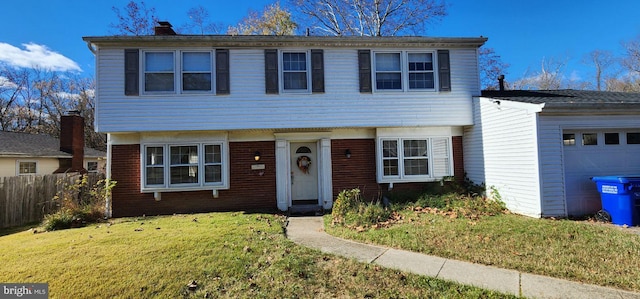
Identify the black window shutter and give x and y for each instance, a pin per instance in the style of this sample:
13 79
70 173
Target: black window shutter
271 71
317 71
131 76
364 66
444 70
222 71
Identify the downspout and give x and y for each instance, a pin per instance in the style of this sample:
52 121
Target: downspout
107 207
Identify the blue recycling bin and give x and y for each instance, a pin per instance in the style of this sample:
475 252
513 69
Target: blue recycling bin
620 197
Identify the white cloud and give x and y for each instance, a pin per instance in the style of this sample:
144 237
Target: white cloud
34 55
6 83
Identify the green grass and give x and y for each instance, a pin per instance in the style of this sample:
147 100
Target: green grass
582 251
230 255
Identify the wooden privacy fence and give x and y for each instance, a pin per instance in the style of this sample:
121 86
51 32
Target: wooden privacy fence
27 199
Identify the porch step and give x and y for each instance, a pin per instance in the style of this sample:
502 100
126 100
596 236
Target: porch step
305 210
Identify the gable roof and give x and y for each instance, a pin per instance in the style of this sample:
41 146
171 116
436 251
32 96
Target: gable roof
568 100
16 144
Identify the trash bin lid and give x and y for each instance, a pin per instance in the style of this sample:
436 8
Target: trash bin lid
622 179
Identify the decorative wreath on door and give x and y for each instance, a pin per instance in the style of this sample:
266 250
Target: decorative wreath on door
304 163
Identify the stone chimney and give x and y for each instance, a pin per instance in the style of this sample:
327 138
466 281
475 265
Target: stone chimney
72 142
164 28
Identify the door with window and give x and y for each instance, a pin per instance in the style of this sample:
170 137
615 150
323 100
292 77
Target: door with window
304 173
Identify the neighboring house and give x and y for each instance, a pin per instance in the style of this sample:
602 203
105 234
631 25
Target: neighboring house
39 154
539 149
203 123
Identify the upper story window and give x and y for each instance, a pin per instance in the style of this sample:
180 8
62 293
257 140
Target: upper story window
404 71
295 71
194 75
176 72
196 71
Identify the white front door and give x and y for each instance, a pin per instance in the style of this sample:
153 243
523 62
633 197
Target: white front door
304 173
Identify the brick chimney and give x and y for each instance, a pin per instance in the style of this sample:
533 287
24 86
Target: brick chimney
164 28
72 142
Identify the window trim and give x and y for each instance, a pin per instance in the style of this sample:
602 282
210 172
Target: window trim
178 72
404 71
97 166
167 186
211 72
281 71
401 176
18 162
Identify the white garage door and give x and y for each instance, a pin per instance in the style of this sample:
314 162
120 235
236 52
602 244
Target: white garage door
589 153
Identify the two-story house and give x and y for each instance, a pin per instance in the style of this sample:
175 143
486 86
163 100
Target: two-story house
208 123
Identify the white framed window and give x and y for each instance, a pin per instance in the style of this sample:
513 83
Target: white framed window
196 72
187 166
295 72
92 166
26 167
177 71
413 159
404 71
159 69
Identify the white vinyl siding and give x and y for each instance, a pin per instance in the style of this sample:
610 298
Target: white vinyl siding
501 151
248 107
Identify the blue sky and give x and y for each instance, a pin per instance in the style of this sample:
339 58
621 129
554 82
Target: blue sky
49 32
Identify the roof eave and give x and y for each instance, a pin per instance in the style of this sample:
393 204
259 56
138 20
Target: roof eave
244 41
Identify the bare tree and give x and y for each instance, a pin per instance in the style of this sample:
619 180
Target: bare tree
550 76
273 20
631 58
33 100
200 22
136 19
491 66
601 60
370 17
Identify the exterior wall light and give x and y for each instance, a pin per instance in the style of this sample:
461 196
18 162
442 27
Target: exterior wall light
347 153
256 156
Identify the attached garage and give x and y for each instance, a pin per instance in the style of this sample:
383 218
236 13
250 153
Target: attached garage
574 136
596 152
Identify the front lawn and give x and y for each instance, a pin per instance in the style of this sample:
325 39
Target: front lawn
229 255
583 251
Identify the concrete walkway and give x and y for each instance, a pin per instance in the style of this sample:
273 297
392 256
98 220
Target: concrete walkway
309 231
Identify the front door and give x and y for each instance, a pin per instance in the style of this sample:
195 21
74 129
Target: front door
304 173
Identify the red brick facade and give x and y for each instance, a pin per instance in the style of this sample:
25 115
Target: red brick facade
249 189
358 171
252 189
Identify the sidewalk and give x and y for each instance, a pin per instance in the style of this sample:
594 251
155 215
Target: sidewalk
308 231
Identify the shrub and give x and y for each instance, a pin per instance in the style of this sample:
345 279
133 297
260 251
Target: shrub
346 202
79 204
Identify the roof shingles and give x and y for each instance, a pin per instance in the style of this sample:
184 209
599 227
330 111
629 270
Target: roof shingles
15 144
